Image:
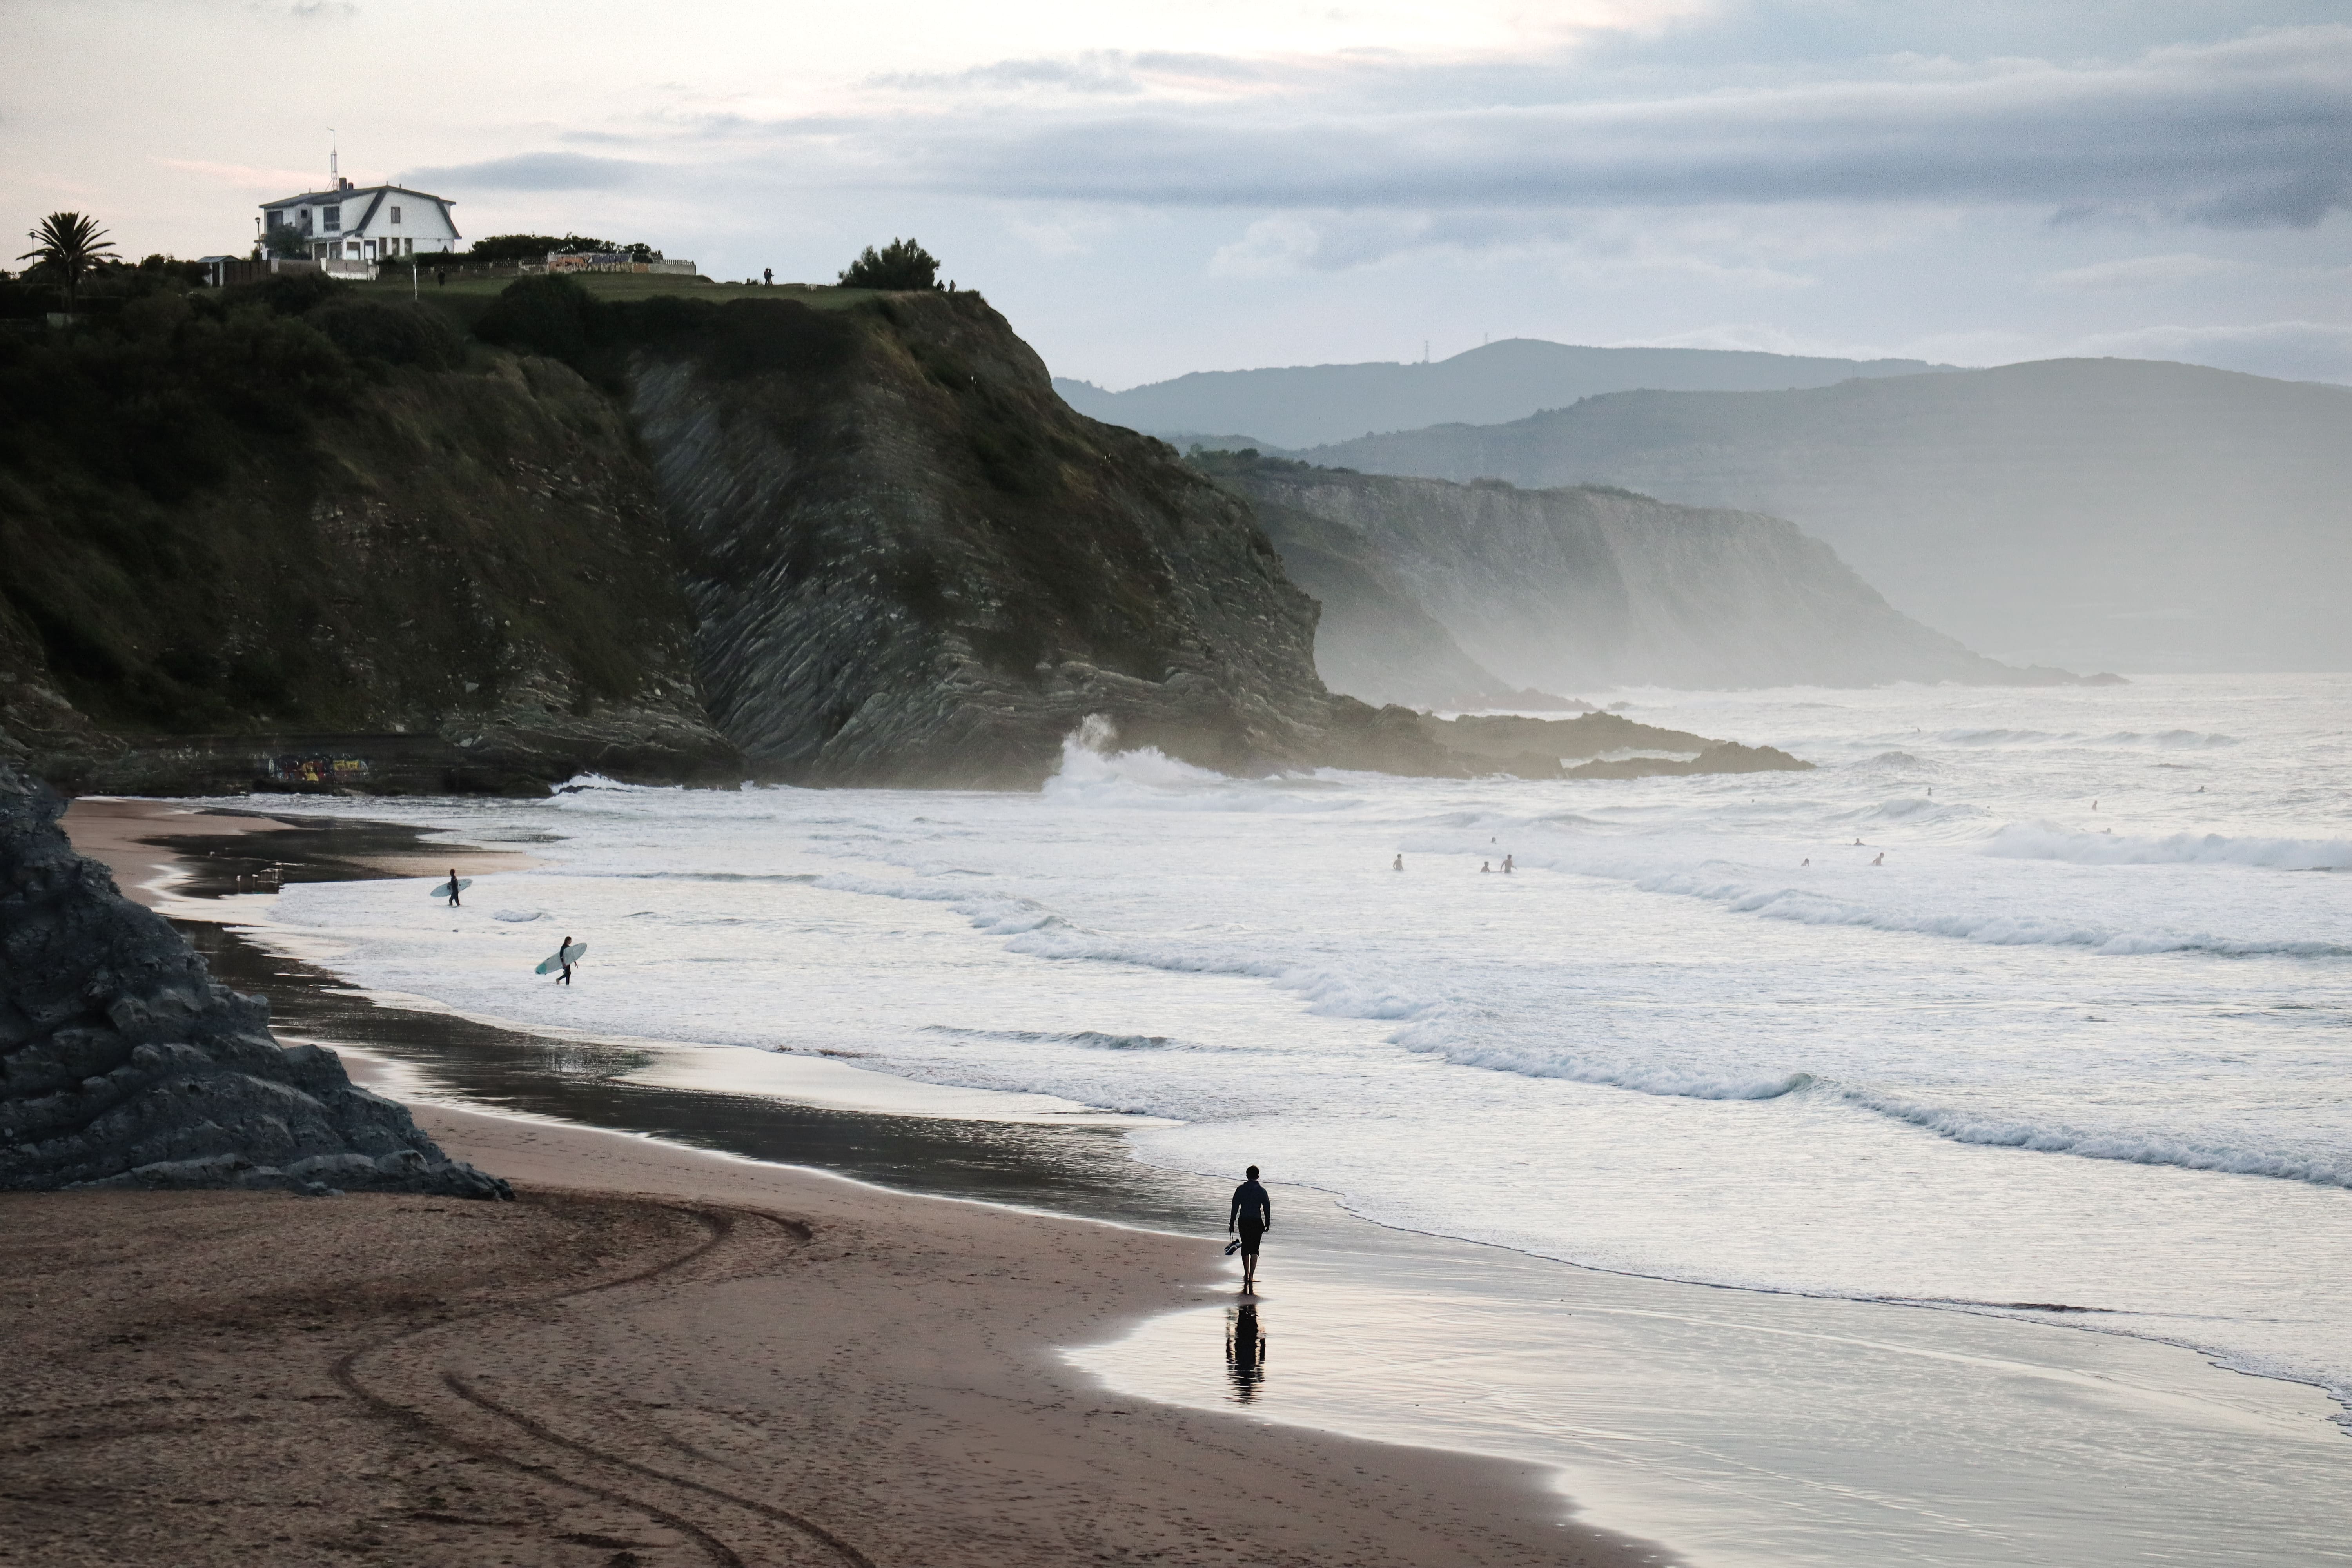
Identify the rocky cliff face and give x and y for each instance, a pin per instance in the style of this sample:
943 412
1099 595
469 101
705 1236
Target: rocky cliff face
230 537
123 1064
1582 588
910 563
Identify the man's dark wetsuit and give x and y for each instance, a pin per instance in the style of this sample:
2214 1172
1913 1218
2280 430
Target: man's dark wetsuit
1252 1214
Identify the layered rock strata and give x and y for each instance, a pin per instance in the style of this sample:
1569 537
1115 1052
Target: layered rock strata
123 1063
1586 587
910 563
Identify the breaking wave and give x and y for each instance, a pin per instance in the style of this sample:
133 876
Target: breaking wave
2041 841
2139 1149
1995 929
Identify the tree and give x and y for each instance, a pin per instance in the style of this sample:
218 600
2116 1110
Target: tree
902 264
72 244
284 239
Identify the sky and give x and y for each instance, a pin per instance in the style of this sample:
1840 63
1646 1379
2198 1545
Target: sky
1147 189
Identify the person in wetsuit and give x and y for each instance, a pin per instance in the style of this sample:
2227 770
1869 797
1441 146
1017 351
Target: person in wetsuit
454 889
1252 1215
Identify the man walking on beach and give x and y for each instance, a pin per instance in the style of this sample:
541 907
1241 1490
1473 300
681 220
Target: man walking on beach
454 889
1252 1216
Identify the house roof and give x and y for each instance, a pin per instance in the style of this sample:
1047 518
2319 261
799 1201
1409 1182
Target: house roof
318 198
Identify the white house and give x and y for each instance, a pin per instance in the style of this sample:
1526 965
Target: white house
363 224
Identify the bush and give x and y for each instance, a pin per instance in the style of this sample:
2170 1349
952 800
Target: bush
902 264
555 316
551 315
292 293
390 333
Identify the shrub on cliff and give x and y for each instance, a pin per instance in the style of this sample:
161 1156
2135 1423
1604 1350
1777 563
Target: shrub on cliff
390 333
902 264
556 318
551 316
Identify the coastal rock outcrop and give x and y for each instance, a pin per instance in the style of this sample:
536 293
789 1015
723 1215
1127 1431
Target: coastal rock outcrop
910 563
1589 586
123 1063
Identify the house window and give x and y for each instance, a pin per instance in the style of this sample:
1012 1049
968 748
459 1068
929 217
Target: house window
330 218
396 215
306 220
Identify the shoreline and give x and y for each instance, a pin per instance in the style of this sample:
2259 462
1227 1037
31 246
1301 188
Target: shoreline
1743 1427
946 1391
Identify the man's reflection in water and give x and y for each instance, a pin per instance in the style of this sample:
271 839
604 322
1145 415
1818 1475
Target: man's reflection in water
1244 1351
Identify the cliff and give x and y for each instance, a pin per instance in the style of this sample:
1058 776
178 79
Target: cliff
2094 513
302 536
912 563
1373 639
123 1063
1587 587
244 527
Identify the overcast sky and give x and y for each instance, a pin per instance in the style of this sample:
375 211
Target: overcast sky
1147 189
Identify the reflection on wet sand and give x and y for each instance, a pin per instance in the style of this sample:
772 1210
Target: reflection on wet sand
1245 1350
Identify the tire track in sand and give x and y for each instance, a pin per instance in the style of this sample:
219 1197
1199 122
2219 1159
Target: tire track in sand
404 1377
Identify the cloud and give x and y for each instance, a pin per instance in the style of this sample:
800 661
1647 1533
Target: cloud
2250 133
534 172
1589 247
2141 272
247 176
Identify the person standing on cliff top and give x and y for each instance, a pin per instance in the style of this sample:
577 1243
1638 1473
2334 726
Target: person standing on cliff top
454 889
1252 1215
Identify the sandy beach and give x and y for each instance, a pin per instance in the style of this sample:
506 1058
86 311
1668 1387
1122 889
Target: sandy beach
656 1356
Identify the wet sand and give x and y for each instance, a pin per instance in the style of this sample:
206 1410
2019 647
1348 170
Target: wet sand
659 1356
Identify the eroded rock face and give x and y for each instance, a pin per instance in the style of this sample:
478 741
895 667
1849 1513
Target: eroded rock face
911 564
1570 589
123 1063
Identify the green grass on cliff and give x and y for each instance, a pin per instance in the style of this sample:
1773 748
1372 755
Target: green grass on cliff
305 506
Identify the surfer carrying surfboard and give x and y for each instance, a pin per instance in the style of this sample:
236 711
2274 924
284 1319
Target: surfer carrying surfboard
1252 1215
565 954
456 886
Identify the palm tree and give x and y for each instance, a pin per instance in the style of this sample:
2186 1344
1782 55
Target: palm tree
71 244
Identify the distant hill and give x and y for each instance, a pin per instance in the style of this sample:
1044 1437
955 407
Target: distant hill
1428 586
2093 513
1300 405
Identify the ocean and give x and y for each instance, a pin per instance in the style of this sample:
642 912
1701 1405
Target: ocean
2028 1015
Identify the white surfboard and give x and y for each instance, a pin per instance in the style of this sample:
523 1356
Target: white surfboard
562 956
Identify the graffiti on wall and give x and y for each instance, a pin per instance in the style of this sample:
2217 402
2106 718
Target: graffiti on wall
317 770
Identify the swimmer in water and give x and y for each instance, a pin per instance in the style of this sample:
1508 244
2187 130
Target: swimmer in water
1882 858
1507 863
1400 864
1807 861
1482 867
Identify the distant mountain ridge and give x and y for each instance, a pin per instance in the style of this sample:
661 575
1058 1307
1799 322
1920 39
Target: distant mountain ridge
1305 405
2092 514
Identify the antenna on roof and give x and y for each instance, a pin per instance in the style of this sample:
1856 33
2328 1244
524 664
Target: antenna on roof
334 159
